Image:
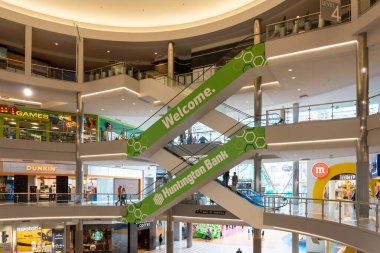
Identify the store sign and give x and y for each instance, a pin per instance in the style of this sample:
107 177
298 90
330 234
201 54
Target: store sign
44 168
58 241
24 114
97 235
215 212
146 224
374 167
320 170
331 10
345 177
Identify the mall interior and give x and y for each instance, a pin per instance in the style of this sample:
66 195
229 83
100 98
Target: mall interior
190 126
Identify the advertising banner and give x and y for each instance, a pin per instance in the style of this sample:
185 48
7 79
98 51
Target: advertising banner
251 57
34 239
58 241
331 10
207 168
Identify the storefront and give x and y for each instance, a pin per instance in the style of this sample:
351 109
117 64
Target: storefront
341 186
40 125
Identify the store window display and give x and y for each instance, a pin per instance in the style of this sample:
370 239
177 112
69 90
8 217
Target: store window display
341 187
97 238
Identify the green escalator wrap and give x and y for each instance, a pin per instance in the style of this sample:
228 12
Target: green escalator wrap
205 169
251 57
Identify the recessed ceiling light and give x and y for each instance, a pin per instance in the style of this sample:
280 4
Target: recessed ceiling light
133 103
123 99
293 77
290 70
246 102
299 89
102 109
28 92
108 51
155 53
56 43
156 102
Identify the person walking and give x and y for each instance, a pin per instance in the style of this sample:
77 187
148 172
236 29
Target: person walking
53 191
234 182
160 240
123 197
239 251
118 195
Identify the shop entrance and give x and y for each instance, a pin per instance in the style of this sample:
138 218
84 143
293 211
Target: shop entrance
143 239
341 187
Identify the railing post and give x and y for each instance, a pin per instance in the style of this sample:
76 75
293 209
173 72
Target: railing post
273 204
306 208
332 111
323 209
309 113
265 202
340 211
377 218
290 206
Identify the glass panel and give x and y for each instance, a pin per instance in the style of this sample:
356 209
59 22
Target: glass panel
320 112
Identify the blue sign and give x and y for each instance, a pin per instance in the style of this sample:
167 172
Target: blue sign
375 167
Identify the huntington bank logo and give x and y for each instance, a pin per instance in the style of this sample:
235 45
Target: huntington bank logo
158 199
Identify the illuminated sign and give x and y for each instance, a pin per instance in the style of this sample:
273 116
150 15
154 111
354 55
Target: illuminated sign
320 170
97 235
15 111
33 228
46 168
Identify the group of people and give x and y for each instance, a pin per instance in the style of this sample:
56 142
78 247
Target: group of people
121 196
226 179
190 139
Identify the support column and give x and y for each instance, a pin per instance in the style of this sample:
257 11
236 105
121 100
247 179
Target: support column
296 164
189 234
170 60
295 243
28 50
362 164
169 233
79 236
257 92
79 175
257 31
67 238
257 241
80 59
177 232
257 163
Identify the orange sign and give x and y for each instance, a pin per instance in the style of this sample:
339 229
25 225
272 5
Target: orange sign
320 170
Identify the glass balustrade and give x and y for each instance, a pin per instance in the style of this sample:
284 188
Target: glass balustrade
302 24
365 5
363 215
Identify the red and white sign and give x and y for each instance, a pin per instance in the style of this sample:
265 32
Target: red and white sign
320 170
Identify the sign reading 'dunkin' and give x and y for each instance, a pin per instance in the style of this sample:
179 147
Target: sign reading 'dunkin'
331 10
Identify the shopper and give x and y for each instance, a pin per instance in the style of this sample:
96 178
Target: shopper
234 182
118 195
226 178
202 139
160 240
50 193
54 191
239 251
123 197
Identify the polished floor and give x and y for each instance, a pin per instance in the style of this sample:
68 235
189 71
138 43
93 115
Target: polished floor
274 242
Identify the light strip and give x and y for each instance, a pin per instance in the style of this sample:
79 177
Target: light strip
263 84
60 217
204 218
312 50
110 90
103 155
310 142
21 101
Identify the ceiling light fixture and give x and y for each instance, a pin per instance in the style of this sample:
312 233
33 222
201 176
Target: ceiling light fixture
28 91
156 102
299 89
103 155
56 43
20 101
290 70
123 99
155 53
133 103
311 142
293 77
108 51
110 90
312 50
102 109
275 83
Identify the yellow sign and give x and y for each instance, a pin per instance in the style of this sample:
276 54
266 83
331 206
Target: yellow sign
46 168
34 239
34 115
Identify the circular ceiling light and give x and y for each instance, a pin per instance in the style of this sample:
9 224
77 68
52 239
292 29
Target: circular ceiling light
56 43
28 91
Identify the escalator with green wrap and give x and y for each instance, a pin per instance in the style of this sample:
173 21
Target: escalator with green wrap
238 72
241 147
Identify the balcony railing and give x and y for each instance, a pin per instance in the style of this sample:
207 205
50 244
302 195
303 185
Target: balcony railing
120 68
363 215
12 65
54 73
303 24
365 5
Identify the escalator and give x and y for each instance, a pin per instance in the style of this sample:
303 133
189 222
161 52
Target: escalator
239 71
185 182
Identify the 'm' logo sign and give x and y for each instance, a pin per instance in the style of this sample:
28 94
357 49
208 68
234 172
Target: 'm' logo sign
320 170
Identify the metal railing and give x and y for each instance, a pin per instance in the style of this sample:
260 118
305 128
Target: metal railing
120 68
12 65
365 5
303 24
363 215
54 73
51 199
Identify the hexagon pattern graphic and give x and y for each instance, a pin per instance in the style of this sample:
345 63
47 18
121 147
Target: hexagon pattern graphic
252 56
136 146
158 199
